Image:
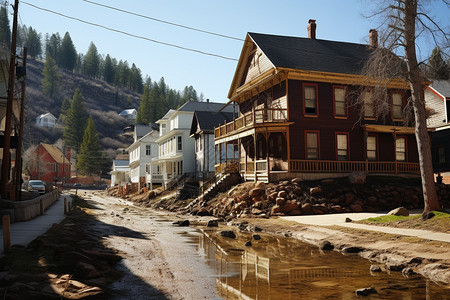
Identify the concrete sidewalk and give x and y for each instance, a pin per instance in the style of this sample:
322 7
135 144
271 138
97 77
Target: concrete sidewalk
23 233
339 220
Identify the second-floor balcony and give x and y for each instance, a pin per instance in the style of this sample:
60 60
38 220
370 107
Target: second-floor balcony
251 119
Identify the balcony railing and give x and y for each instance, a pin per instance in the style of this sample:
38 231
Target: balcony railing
353 166
257 116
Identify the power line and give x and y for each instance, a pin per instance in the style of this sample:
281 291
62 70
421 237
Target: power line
129 34
165 22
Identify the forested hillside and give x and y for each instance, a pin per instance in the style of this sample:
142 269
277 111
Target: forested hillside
103 101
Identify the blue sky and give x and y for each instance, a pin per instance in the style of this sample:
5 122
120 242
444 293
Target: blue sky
210 75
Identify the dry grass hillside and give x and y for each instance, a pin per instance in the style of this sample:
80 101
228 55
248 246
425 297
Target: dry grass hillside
103 101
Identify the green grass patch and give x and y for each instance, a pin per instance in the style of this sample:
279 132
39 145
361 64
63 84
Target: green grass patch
438 216
388 219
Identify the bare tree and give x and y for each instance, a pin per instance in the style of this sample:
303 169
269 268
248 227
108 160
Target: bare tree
403 21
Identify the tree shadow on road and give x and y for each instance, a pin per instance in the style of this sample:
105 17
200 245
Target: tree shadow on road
70 261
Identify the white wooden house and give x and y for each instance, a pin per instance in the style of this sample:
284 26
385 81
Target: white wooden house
202 130
176 155
141 152
46 120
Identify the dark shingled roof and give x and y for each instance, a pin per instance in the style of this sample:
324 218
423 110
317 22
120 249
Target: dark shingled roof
208 120
442 86
205 106
312 54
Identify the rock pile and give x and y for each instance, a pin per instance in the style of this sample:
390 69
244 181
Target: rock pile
298 197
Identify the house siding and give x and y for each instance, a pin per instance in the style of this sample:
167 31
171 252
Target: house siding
328 125
437 104
258 64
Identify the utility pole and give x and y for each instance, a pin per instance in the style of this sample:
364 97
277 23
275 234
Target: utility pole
9 104
20 134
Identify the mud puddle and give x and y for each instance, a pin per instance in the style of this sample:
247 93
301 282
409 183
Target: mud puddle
284 268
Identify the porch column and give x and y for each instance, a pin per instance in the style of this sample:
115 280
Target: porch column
395 150
266 137
365 149
254 155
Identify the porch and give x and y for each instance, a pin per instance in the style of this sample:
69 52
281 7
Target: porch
249 120
258 171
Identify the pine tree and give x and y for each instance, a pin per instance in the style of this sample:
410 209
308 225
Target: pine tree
33 43
91 62
108 70
52 46
5 31
50 77
143 115
67 53
65 106
439 69
90 157
75 121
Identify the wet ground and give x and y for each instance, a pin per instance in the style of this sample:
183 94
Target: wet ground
165 261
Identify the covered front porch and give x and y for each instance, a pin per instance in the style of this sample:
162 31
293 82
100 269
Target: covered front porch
162 171
264 153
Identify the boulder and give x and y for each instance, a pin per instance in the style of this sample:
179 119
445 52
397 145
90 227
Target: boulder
348 198
352 249
228 234
375 268
296 180
315 190
256 237
273 196
366 291
184 223
326 245
399 211
282 194
357 178
275 209
280 201
213 223
356 208
256 192
289 206
307 208
297 191
295 212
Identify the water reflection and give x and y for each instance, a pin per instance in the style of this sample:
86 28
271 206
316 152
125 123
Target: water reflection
281 268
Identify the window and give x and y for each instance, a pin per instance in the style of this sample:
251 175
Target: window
312 145
369 110
441 155
180 144
342 146
340 102
148 150
372 148
400 149
310 99
397 108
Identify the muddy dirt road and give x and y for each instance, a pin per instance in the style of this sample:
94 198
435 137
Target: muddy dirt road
157 262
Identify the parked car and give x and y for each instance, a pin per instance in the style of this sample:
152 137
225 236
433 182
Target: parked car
36 186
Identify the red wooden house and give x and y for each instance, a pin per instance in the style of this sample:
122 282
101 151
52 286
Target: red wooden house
296 118
50 164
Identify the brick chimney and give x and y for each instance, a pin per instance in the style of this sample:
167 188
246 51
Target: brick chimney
68 150
312 29
373 38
